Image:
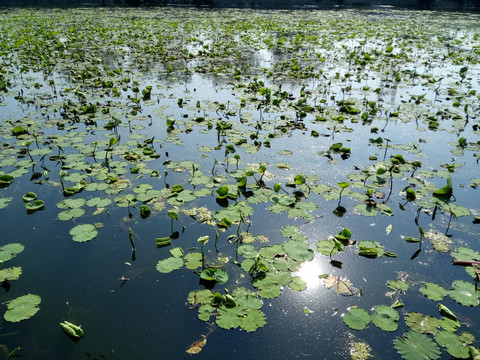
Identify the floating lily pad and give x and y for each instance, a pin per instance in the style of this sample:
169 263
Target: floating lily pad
220 276
170 264
253 320
416 346
22 308
397 285
30 196
12 273
83 232
4 202
35 205
10 250
454 345
464 293
433 291
298 250
357 318
422 323
70 214
386 318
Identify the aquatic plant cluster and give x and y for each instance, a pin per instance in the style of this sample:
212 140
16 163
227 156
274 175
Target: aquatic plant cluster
254 144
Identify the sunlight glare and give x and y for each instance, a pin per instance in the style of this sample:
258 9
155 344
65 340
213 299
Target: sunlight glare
309 273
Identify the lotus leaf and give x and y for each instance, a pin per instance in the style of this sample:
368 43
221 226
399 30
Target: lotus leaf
386 318
70 214
35 205
455 347
465 254
169 264
422 323
416 346
99 202
298 250
4 202
297 284
433 291
71 203
247 251
220 276
253 320
177 252
23 307
229 318
30 196
193 260
248 300
327 247
397 285
357 318
464 293
83 232
10 250
370 248
204 312
12 273
200 297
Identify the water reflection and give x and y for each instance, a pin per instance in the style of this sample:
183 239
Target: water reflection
309 272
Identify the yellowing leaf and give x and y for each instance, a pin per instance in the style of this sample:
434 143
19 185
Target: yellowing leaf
196 347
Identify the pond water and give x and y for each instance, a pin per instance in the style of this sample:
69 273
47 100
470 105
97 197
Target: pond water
331 157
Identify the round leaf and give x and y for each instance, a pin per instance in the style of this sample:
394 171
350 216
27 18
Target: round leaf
83 232
23 307
357 318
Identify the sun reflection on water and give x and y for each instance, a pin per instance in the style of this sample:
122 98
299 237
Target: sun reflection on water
309 272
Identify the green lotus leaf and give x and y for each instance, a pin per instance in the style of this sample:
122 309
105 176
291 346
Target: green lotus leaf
12 273
35 205
197 297
297 284
397 285
366 210
455 347
386 318
370 248
30 196
433 291
70 214
220 276
83 232
22 308
99 202
416 346
290 230
6 179
253 320
464 293
271 251
357 318
247 251
270 292
177 252
465 254
9 251
229 318
169 264
248 301
327 247
235 212
4 202
71 203
204 312
193 260
298 250
449 324
422 323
